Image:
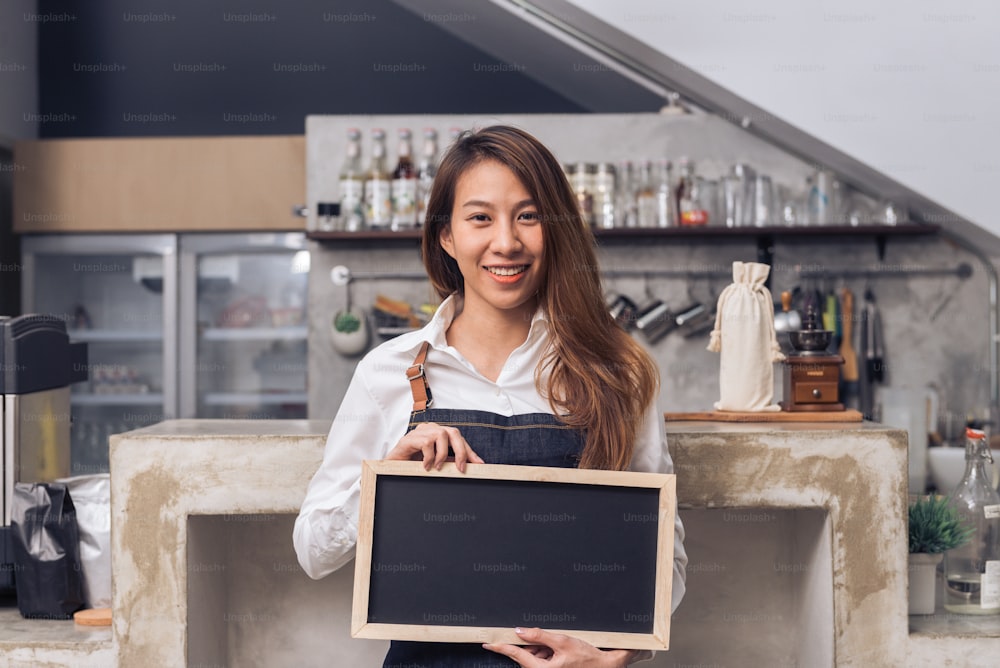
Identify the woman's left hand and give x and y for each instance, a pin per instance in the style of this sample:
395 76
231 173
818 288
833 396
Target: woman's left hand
555 650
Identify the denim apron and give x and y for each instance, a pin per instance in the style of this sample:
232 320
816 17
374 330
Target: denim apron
531 439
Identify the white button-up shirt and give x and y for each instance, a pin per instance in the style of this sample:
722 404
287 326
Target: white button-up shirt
376 411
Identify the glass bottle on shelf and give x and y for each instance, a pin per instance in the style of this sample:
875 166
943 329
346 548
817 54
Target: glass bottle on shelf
352 185
665 212
404 186
689 209
426 173
378 194
645 196
972 571
820 197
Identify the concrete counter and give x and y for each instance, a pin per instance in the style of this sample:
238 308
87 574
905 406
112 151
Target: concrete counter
796 535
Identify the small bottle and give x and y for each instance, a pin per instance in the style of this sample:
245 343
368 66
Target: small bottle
604 196
665 211
645 196
352 185
972 570
689 211
426 173
378 193
328 216
404 186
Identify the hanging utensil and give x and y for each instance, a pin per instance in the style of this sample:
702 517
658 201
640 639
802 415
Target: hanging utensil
787 320
850 373
831 311
876 354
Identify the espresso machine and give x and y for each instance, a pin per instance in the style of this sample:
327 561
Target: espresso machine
38 363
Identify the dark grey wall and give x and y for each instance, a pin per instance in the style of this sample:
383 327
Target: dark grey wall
211 67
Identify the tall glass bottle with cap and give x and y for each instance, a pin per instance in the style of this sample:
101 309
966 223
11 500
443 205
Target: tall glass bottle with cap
972 571
404 185
352 185
426 172
378 189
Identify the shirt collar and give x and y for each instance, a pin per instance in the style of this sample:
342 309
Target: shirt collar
434 332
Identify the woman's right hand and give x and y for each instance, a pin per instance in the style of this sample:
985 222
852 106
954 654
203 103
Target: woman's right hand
431 442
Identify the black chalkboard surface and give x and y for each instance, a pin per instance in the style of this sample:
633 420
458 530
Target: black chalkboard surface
446 556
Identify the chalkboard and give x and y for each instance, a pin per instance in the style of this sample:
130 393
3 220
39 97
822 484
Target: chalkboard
452 557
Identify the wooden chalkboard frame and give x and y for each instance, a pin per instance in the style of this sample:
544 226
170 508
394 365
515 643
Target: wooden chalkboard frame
658 639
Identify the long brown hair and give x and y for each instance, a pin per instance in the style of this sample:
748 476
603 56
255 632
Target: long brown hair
600 380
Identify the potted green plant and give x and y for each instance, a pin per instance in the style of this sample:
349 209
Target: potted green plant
935 528
349 331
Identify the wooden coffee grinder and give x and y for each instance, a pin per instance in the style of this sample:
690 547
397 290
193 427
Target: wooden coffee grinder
811 374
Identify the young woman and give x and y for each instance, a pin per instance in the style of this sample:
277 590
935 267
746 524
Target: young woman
522 339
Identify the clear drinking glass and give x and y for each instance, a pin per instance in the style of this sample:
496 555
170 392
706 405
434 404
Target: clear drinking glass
709 198
732 195
763 209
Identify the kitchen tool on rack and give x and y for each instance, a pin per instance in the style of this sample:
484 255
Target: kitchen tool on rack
624 311
655 320
871 355
849 377
691 317
831 311
876 353
787 320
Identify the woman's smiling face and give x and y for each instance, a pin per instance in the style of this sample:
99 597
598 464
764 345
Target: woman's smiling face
495 236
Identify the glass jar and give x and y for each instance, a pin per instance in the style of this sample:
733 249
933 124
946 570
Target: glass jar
582 179
604 196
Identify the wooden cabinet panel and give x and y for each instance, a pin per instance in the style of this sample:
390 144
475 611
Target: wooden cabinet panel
159 184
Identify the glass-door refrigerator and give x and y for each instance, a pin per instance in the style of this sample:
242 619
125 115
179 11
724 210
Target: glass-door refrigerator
243 325
117 293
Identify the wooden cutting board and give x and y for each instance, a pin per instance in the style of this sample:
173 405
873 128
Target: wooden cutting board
775 416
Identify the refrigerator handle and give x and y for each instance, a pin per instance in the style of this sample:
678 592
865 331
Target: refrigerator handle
170 393
188 304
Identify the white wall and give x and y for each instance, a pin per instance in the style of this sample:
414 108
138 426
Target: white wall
18 70
909 87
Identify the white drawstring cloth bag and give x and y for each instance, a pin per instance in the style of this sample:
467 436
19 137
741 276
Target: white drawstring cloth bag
745 338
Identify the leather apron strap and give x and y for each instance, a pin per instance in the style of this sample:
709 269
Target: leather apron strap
421 391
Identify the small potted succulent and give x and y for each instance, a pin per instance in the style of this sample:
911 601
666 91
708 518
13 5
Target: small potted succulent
935 528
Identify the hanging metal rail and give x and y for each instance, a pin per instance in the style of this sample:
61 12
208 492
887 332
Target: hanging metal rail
341 275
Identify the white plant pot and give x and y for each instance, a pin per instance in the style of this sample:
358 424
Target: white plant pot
350 343
923 582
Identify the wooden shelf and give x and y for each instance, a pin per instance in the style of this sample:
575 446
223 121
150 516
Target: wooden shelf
907 229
